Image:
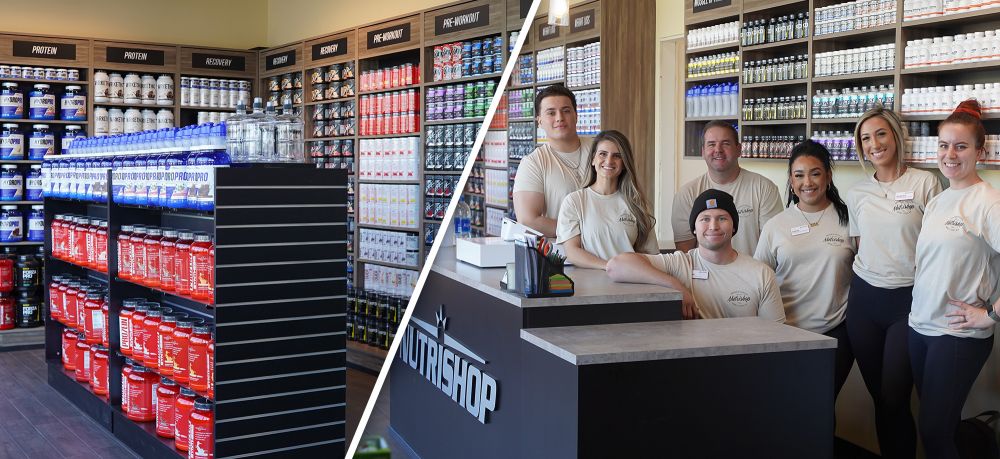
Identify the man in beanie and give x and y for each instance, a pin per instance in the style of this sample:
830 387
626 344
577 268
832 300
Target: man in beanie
716 280
756 197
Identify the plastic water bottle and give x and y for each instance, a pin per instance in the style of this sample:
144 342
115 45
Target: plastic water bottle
268 135
234 134
251 151
289 131
463 220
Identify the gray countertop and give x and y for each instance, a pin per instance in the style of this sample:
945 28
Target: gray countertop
635 342
592 286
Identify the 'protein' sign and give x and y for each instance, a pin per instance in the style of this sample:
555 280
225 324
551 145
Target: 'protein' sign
449 366
66 51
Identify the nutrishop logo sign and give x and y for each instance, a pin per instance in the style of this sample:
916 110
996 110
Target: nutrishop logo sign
449 366
739 298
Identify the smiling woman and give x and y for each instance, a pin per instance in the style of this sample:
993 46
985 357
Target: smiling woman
610 215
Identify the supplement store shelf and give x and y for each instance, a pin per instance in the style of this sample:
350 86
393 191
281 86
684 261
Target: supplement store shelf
318 139
721 76
485 76
22 338
20 243
854 76
386 263
775 44
474 119
542 84
772 84
772 122
884 30
141 437
522 119
7 203
512 87
389 136
329 101
205 109
365 356
774 4
835 120
391 182
139 105
710 118
381 91
36 81
20 161
585 87
434 172
497 206
388 228
975 16
941 117
90 272
205 214
720 46
30 121
992 65
198 306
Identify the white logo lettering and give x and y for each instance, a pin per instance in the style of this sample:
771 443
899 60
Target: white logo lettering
51 50
217 61
136 55
329 49
386 36
279 60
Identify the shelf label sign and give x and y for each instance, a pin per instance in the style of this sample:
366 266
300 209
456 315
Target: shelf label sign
581 21
134 56
704 5
547 32
279 60
330 48
66 51
466 19
449 366
218 62
389 36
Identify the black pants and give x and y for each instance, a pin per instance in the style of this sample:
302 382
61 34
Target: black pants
844 359
876 324
952 365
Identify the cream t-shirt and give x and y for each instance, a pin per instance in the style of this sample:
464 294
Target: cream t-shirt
813 265
887 218
604 223
743 288
956 258
549 172
756 200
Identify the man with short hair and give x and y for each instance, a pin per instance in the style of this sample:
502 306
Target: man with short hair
716 280
556 168
757 198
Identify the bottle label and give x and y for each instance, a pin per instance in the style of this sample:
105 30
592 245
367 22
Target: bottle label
41 146
12 146
74 108
10 188
11 106
36 229
42 107
125 327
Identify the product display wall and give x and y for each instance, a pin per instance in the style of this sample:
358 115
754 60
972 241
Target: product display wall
786 71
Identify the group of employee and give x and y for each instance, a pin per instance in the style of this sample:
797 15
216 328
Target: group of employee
902 274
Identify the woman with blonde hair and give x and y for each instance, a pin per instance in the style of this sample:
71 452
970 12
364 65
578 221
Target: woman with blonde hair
610 214
886 209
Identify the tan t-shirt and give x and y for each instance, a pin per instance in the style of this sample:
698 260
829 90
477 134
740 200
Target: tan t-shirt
550 173
813 265
604 223
887 218
743 288
756 199
956 258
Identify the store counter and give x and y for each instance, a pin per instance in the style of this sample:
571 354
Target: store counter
457 384
719 388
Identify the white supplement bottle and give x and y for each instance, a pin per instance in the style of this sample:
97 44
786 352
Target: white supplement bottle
102 86
165 90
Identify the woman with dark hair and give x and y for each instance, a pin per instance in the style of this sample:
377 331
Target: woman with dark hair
610 215
955 290
809 249
886 209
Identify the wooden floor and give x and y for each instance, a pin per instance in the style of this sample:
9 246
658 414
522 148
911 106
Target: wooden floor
37 422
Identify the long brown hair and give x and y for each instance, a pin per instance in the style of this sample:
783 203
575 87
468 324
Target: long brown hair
634 197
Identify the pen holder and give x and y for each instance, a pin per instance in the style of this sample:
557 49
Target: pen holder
535 276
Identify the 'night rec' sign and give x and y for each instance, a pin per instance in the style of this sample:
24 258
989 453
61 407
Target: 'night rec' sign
449 366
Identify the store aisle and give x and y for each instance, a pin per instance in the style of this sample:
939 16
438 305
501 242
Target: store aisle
35 421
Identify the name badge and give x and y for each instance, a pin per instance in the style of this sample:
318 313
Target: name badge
699 274
904 196
800 230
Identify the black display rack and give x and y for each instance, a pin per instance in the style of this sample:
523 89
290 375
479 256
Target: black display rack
280 236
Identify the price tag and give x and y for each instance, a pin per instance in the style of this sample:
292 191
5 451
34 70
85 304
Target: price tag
797 230
699 274
904 196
